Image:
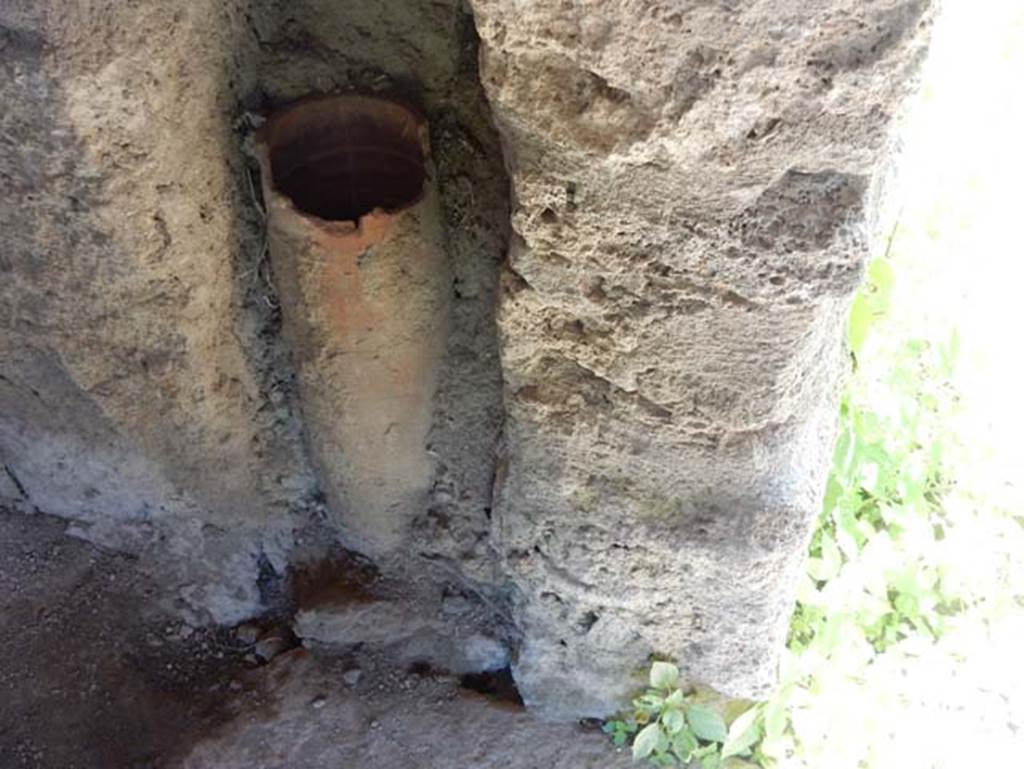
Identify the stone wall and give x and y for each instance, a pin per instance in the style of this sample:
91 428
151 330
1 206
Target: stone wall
690 192
146 392
130 402
690 185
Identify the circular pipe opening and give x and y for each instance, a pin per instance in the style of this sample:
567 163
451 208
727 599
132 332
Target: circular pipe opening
340 157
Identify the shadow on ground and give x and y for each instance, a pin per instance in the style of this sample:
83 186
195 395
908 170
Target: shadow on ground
93 676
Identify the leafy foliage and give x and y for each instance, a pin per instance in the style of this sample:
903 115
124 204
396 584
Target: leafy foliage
669 728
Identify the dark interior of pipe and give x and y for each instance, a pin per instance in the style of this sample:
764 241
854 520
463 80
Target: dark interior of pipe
339 159
498 685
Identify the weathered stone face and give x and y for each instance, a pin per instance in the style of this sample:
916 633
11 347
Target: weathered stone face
128 401
690 183
147 391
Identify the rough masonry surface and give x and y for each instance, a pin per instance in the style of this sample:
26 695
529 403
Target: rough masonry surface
635 407
691 187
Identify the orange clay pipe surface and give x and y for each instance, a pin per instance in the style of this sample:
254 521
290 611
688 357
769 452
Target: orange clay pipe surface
363 279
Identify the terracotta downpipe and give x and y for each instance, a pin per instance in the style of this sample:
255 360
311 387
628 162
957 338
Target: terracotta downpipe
359 261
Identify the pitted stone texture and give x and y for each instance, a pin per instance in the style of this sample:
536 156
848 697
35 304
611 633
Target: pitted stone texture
691 183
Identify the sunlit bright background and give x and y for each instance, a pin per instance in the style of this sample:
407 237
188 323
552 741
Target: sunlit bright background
958 261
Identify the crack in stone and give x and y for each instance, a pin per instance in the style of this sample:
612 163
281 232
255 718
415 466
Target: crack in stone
16 386
17 483
652 407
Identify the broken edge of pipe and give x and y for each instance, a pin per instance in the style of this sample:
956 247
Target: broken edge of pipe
303 118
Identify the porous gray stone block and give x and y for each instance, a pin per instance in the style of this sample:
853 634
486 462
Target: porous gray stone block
692 185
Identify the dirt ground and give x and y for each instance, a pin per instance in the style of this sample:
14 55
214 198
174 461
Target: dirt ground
92 677
89 676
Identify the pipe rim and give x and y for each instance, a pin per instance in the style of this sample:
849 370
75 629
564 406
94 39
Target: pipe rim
340 159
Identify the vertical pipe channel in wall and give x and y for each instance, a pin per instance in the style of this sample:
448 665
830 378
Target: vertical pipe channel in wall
357 249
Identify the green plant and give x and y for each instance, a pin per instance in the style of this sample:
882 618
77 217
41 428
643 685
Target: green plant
670 728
